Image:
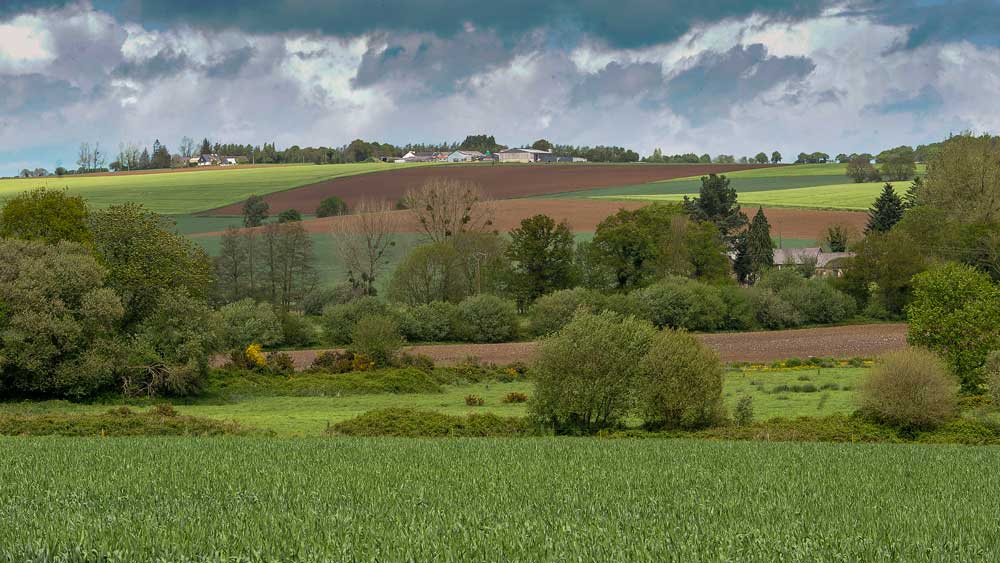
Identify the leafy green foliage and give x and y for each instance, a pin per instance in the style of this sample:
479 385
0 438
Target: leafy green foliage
339 320
118 422
551 312
956 313
717 204
755 249
145 258
255 211
682 303
289 216
247 322
486 318
378 338
910 388
430 322
681 383
47 215
585 374
428 424
331 207
319 384
542 253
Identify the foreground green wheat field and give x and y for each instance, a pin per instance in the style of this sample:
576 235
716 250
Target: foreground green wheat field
192 191
540 499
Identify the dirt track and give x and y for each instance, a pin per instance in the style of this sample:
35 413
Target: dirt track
838 342
499 182
583 215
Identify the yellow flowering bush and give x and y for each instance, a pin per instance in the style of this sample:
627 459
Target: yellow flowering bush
255 356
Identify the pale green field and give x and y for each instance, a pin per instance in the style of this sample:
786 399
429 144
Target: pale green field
856 197
192 191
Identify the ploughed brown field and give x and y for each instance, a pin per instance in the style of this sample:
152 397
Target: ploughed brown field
499 182
838 342
583 216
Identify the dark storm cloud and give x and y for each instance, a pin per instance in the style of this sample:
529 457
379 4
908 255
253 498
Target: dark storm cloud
937 21
626 23
10 8
165 63
34 93
719 81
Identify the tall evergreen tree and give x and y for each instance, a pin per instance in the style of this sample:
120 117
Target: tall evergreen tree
885 212
912 196
716 203
754 249
206 147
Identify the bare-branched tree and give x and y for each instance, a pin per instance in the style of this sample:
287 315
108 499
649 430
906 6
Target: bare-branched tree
364 240
445 208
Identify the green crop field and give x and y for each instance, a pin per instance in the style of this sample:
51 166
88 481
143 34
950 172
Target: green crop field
854 197
786 393
543 499
745 181
192 191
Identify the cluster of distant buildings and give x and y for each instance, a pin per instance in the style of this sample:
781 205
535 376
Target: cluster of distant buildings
216 160
506 155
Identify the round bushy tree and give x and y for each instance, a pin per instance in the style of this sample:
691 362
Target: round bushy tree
431 322
682 303
910 388
339 320
585 374
378 338
246 322
680 385
331 206
551 312
486 318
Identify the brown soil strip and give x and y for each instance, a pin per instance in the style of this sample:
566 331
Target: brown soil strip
838 342
499 182
583 216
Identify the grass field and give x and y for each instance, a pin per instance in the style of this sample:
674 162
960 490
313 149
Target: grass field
190 192
853 197
545 499
309 416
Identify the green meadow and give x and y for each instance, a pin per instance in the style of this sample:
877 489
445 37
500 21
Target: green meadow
786 393
192 191
853 197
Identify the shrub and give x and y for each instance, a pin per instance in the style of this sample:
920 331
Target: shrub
910 388
956 313
378 338
771 311
312 384
255 356
411 423
474 401
289 216
624 304
297 330
280 363
331 206
430 322
515 397
739 313
779 280
818 302
316 300
680 385
585 373
551 312
993 377
682 303
486 318
422 362
339 320
246 321
743 413
161 420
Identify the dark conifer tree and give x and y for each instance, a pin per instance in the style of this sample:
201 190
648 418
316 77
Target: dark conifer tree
885 212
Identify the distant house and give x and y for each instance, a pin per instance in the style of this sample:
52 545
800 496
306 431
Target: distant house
526 155
465 156
422 156
826 264
229 161
208 160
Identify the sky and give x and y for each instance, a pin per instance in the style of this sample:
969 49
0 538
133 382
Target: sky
722 76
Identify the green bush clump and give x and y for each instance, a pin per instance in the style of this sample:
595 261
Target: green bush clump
246 322
316 300
412 423
297 330
682 303
585 374
912 389
739 313
680 385
381 381
993 377
743 413
819 303
378 338
339 320
430 322
160 420
551 312
486 318
771 311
